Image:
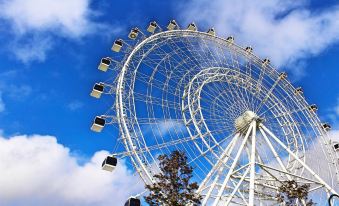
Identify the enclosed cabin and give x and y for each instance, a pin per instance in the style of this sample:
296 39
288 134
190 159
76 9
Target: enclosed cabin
152 27
133 201
326 126
211 31
109 163
97 90
98 124
265 62
249 49
117 45
134 33
313 108
104 64
192 27
298 91
172 25
335 145
282 75
230 39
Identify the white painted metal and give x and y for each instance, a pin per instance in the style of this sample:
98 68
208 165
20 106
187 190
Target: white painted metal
299 160
252 165
237 187
223 186
223 160
207 96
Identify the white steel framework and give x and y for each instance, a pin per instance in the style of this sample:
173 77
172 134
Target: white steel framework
244 127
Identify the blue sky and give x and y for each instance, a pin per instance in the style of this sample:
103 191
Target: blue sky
48 64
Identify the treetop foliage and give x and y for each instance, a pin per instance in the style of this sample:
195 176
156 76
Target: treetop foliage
172 186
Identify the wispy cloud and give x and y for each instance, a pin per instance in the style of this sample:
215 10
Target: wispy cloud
285 31
333 114
16 92
336 108
166 128
31 48
2 104
36 170
63 16
75 105
35 23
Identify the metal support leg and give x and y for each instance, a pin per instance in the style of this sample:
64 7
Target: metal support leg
252 166
297 158
223 186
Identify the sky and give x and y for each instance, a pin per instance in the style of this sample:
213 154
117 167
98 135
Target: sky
48 64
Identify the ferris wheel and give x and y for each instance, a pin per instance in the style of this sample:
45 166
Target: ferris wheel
243 126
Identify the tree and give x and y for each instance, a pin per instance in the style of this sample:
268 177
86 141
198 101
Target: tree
293 194
172 186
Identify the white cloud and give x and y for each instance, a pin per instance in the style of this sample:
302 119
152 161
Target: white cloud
75 105
336 108
36 170
333 115
18 92
13 91
35 23
2 104
169 126
284 31
34 48
67 16
334 135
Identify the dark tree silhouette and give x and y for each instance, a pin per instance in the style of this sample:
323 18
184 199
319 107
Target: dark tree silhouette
293 194
173 187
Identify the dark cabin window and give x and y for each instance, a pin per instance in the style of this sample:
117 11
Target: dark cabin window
118 42
111 161
99 121
336 146
134 202
99 87
106 61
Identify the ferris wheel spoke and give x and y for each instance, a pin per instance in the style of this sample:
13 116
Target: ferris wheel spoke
159 121
154 100
231 91
234 96
239 94
160 66
288 113
155 147
277 103
268 94
155 83
223 108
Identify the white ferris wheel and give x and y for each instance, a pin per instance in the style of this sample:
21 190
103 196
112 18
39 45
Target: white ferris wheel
243 126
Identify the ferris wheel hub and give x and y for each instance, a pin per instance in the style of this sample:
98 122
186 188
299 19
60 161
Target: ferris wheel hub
242 122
